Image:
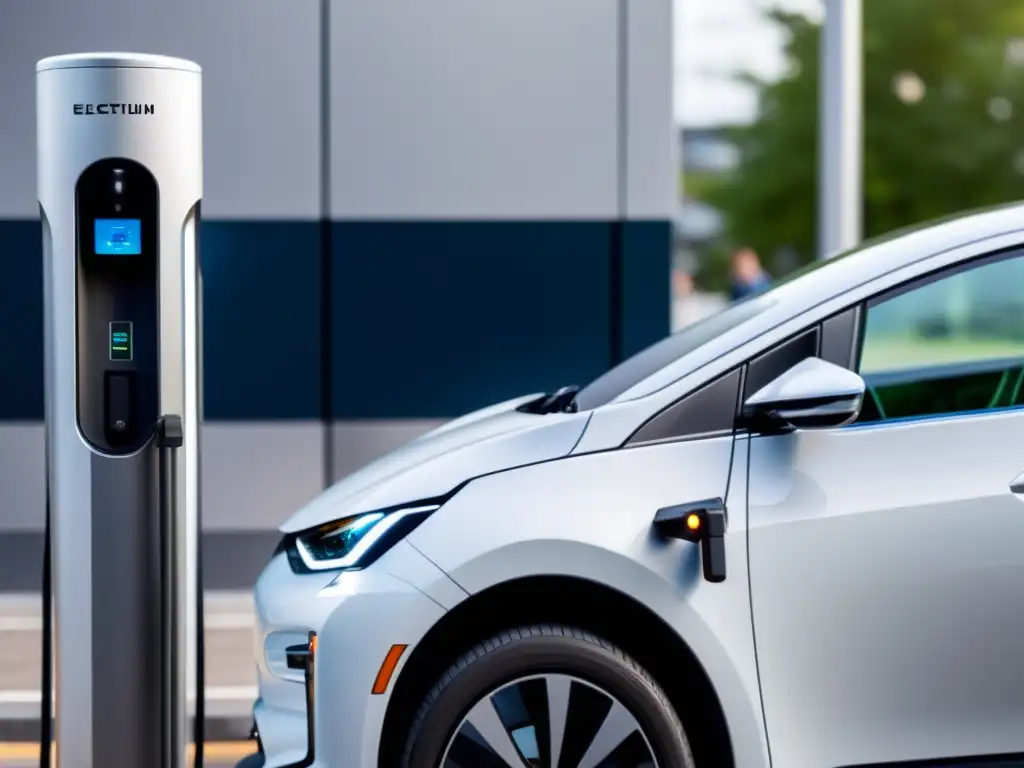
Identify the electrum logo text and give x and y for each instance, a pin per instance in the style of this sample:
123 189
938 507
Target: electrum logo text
115 109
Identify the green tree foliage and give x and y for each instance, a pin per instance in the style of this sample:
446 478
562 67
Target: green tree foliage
959 146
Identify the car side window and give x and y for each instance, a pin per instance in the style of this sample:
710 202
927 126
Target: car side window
946 345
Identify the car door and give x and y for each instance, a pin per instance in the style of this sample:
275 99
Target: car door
887 556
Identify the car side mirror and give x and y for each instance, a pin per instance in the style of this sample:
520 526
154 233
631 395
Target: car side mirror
813 394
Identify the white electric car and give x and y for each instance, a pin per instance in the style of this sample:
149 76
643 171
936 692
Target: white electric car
790 535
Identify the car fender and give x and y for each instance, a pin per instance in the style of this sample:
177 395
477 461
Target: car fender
589 517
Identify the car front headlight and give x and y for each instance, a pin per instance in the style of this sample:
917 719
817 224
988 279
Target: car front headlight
353 542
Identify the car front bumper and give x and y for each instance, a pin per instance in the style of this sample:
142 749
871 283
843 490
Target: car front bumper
358 619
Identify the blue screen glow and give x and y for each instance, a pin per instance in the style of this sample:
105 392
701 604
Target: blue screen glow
118 237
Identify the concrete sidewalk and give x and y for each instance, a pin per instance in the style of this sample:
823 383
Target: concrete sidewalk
230 667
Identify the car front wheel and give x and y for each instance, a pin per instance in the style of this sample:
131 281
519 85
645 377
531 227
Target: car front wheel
546 697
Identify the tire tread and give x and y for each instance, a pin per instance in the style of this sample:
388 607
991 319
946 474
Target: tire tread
508 636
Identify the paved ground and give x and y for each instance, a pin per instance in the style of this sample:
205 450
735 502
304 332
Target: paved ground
230 683
218 755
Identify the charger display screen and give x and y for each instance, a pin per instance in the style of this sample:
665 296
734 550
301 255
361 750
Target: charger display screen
121 341
118 237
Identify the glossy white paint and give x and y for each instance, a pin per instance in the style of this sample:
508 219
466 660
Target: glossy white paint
433 466
887 564
396 601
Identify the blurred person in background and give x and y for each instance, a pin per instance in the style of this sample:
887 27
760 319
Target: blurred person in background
689 302
746 275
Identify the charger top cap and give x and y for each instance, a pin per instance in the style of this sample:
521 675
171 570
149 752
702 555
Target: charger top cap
116 60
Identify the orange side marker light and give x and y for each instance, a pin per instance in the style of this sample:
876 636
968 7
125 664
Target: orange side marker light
387 669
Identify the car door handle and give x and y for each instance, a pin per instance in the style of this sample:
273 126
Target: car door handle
1017 484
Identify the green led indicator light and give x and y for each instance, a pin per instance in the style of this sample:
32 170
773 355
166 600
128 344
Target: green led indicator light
121 341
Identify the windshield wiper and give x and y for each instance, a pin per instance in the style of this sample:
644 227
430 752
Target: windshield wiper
562 400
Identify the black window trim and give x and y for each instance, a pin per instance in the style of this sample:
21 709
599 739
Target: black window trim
843 331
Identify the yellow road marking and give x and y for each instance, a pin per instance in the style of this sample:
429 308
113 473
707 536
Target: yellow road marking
213 750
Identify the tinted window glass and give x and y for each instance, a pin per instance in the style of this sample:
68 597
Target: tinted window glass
951 345
710 409
613 383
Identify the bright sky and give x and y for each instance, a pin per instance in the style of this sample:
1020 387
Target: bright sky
716 38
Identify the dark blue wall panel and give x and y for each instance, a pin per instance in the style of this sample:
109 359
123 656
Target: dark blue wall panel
432 319
261 319
646 295
21 321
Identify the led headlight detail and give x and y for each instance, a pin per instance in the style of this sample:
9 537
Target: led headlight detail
344 543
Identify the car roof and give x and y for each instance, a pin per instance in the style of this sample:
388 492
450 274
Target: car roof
904 247
841 273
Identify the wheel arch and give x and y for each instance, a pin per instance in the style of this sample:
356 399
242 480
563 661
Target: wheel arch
592 606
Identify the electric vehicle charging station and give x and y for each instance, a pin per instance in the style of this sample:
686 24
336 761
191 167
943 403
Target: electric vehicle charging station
120 184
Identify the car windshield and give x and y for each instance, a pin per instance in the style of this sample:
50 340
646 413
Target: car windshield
649 361
635 369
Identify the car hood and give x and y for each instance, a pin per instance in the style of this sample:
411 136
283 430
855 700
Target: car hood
489 440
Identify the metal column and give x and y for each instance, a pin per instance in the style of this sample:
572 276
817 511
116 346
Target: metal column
840 193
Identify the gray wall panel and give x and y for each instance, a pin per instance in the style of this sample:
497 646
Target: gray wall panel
256 475
468 109
652 177
261 79
22 477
